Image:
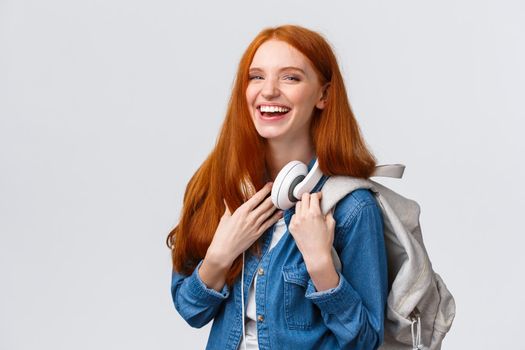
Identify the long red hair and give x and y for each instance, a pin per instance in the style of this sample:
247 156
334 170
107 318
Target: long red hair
235 168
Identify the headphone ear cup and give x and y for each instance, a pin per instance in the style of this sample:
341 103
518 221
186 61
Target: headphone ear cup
287 179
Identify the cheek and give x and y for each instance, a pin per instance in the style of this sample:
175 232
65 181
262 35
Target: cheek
251 93
303 99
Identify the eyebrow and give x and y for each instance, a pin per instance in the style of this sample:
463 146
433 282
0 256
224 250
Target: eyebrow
281 69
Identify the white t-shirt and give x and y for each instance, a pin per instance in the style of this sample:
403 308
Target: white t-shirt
251 314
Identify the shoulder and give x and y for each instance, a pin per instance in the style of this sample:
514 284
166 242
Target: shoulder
359 202
358 219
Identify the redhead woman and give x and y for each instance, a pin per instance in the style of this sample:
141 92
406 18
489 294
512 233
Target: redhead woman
288 103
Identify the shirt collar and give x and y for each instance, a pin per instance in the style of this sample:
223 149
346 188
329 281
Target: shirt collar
312 161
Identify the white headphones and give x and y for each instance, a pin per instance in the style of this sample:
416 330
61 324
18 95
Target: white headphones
293 180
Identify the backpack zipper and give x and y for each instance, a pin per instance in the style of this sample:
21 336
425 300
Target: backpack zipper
415 329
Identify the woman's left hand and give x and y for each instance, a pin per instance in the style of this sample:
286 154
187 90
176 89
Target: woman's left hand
313 232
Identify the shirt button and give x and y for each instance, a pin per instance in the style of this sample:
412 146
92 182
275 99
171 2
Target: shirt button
260 271
260 318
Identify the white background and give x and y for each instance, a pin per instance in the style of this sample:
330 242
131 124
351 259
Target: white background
108 107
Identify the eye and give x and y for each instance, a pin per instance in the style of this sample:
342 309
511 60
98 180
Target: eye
255 77
292 77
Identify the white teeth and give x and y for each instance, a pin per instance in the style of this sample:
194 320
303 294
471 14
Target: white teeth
271 109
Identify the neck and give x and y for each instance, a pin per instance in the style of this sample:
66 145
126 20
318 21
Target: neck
280 153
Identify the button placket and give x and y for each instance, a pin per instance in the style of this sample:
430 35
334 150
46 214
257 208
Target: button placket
260 291
260 301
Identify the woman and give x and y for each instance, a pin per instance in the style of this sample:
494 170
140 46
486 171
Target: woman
288 103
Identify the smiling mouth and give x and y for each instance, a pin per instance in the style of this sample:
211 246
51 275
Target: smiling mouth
272 113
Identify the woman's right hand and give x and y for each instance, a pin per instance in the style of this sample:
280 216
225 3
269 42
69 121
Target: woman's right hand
238 231
235 233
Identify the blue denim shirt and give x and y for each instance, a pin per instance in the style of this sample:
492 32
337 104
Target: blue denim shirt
292 314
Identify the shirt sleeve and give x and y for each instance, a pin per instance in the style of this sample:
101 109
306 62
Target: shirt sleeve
354 309
194 301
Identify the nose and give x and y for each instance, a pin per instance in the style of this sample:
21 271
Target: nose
270 89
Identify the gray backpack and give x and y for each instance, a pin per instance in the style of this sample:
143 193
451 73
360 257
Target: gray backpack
420 308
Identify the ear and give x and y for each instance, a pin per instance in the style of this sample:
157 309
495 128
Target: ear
323 99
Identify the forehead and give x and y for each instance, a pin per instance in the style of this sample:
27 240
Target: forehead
275 54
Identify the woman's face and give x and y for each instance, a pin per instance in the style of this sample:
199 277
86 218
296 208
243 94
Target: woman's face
282 92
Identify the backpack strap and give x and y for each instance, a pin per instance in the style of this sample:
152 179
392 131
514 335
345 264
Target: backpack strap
336 187
389 170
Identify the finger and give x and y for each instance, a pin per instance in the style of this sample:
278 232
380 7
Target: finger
258 197
226 210
265 209
266 216
330 221
305 206
298 207
266 204
268 223
314 202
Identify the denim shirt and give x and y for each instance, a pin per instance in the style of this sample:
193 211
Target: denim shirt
291 313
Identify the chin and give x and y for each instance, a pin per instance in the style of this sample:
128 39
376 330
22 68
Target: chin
269 133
